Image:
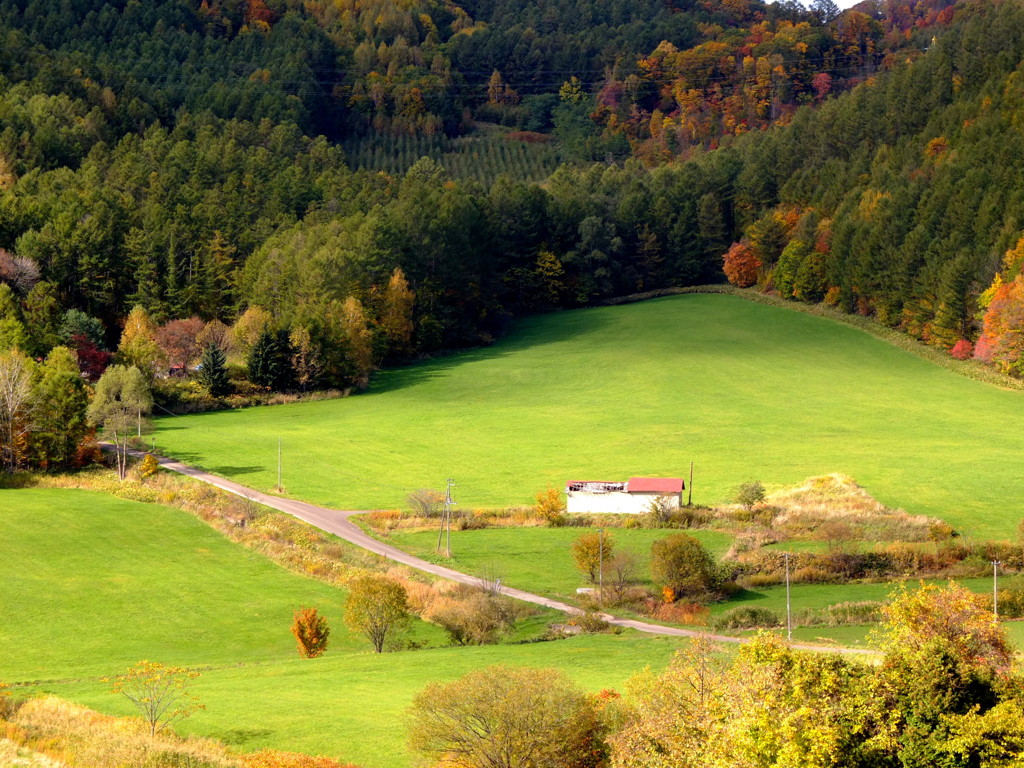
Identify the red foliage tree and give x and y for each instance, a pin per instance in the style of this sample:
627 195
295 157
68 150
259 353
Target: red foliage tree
962 350
92 361
741 265
1002 338
179 341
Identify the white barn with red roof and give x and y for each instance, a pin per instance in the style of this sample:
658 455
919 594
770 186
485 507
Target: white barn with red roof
629 498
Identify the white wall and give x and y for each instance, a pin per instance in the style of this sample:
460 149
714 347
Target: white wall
616 503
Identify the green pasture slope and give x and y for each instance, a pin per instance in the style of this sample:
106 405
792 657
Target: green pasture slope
540 560
742 389
90 584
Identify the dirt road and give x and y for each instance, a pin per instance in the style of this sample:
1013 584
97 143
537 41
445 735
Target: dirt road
337 522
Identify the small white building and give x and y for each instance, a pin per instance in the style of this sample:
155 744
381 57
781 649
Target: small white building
631 497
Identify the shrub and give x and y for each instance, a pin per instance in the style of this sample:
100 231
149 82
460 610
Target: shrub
550 507
962 350
274 759
508 717
481 619
149 465
311 632
590 622
271 758
426 502
681 612
683 567
747 617
749 494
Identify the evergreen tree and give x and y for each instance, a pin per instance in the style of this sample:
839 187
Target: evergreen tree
213 372
269 361
59 406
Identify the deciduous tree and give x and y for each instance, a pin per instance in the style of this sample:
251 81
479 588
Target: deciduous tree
15 406
591 552
122 399
508 717
378 608
311 632
138 347
159 693
681 564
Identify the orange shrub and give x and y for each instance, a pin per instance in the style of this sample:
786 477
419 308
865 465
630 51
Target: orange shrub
272 758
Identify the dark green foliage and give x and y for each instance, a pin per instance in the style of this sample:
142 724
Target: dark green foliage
269 361
681 565
212 372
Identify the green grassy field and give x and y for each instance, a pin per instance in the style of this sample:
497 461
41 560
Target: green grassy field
352 705
540 559
742 389
90 584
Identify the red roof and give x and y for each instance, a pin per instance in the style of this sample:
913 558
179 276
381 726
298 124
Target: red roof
655 485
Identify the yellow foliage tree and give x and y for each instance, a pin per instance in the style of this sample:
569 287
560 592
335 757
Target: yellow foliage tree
138 346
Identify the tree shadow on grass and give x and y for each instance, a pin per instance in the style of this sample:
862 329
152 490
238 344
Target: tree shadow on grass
526 334
242 736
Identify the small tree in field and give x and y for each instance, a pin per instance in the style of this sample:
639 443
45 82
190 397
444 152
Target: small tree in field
158 692
311 632
589 553
377 607
749 494
122 398
683 567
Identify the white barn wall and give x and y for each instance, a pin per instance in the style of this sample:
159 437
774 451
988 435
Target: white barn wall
617 502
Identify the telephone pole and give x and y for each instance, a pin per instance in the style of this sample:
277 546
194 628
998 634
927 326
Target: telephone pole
995 590
280 489
789 607
446 521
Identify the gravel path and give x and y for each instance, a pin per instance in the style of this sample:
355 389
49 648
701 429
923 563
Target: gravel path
337 522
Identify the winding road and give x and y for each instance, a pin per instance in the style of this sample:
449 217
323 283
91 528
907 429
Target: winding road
337 522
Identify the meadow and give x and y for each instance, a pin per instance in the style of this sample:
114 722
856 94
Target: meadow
745 391
91 584
540 559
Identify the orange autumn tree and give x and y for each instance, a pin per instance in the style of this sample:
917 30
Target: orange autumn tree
311 632
741 265
1002 338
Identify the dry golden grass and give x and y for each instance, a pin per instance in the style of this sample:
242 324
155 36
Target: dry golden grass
65 734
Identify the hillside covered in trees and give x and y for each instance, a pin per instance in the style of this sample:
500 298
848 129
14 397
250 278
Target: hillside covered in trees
190 160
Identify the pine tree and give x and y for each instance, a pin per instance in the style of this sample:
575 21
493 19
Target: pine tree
213 373
269 361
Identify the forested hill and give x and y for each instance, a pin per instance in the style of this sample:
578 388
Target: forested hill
187 159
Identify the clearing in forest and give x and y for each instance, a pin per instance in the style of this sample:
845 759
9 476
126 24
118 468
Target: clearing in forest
745 390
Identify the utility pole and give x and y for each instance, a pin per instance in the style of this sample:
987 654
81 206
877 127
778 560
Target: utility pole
280 489
446 520
689 488
995 590
789 606
600 567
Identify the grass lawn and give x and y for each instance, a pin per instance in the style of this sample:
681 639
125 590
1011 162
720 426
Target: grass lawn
742 389
540 559
90 584
352 705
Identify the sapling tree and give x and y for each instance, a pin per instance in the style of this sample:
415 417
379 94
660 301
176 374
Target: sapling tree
311 632
160 693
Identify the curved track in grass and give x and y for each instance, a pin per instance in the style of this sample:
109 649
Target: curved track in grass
336 522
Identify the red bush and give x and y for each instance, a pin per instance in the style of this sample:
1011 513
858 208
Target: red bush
741 265
962 350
